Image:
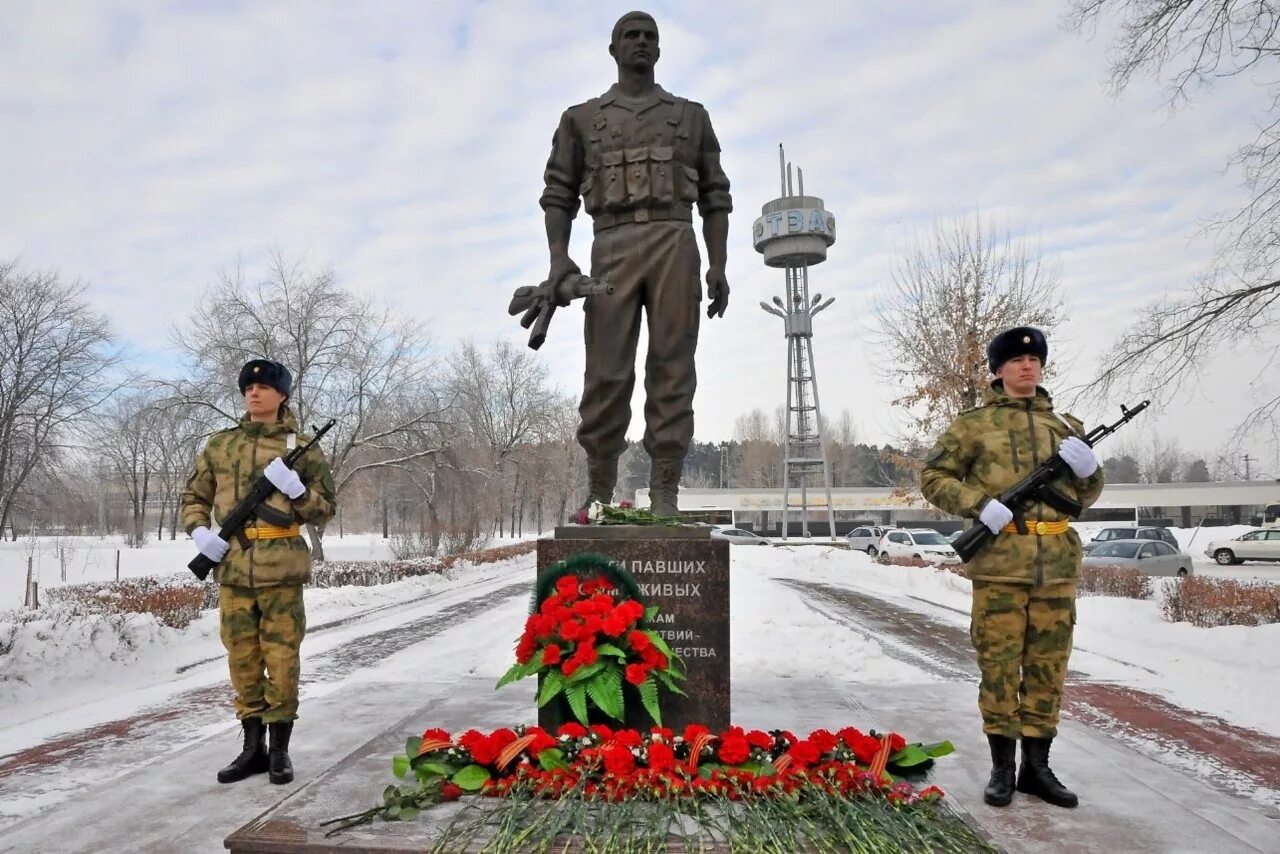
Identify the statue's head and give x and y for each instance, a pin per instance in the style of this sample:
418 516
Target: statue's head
634 42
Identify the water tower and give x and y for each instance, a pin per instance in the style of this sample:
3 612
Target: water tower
793 233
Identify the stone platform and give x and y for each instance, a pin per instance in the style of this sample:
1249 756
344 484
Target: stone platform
1128 803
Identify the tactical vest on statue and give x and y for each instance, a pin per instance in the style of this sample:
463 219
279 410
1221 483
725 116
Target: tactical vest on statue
642 172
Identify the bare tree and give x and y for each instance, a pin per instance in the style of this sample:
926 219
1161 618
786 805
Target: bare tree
1190 44
351 361
505 402
951 294
125 438
56 366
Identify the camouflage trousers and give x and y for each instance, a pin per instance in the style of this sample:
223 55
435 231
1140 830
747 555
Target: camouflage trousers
1022 635
262 629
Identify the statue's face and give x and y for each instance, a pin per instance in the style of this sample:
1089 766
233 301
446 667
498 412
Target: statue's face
637 46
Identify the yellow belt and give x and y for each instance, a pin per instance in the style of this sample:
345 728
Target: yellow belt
1040 528
272 532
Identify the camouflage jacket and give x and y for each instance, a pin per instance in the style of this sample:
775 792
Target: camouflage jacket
986 451
226 470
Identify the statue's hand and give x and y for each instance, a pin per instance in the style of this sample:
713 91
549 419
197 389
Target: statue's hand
562 267
717 292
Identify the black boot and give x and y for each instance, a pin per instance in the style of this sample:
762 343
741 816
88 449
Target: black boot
1004 764
1035 777
281 768
253 758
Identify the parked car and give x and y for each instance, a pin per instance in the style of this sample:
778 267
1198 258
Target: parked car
864 539
1254 545
739 537
1132 532
1150 557
920 543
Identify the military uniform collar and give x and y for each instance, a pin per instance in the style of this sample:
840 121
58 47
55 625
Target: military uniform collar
995 395
658 95
286 423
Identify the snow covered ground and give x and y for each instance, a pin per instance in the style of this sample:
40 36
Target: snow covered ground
66 676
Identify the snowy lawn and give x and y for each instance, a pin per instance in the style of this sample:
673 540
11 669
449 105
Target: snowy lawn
1229 671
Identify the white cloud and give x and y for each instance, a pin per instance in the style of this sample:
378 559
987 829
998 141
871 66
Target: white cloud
149 145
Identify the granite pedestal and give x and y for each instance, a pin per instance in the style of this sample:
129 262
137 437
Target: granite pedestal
686 574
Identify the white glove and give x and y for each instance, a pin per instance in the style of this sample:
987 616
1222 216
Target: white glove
1077 454
284 478
210 544
995 516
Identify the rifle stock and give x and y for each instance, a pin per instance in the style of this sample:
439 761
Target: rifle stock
240 515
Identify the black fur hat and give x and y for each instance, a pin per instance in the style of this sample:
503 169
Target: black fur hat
1018 341
266 372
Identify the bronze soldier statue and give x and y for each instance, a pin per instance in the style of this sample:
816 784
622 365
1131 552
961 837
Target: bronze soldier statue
639 158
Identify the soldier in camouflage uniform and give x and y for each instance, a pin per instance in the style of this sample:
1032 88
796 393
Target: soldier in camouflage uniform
260 574
1024 585
639 158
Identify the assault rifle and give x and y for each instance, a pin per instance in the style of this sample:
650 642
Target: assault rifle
1038 486
540 303
251 506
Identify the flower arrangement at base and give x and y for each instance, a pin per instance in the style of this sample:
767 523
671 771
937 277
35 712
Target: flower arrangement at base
588 638
748 789
622 513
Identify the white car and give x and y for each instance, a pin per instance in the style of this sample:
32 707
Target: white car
864 539
1255 545
739 537
920 543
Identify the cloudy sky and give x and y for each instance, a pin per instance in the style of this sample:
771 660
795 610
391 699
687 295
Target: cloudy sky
149 146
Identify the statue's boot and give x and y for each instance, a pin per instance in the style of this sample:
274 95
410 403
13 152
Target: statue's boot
602 477
664 486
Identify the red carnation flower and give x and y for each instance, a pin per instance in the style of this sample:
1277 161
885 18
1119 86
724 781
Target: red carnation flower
570 667
614 625
583 608
662 758
586 654
757 738
637 674
567 586
896 742
572 730
500 738
662 732
865 749
849 735
618 760
804 754
627 738
449 791
571 630
692 731
823 740
603 731
479 746
541 740
654 659
639 641
592 625
551 655
604 603
433 734
632 610
734 750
